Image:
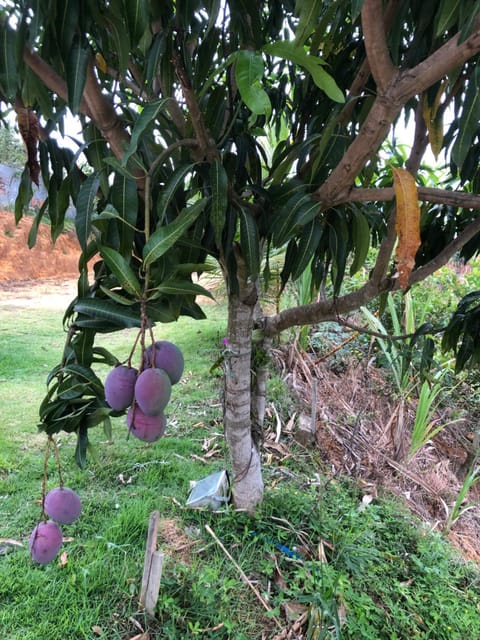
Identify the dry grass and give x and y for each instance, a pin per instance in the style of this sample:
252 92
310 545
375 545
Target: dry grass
355 417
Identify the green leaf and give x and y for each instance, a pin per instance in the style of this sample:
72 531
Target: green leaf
24 195
122 271
182 288
137 18
219 186
119 168
97 416
124 196
361 241
446 16
159 311
313 64
249 69
300 209
66 24
308 12
176 179
165 237
120 37
468 123
8 67
116 297
82 446
105 310
250 243
356 8
290 255
77 65
307 245
85 208
146 117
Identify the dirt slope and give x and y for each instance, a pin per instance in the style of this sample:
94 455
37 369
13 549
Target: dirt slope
19 264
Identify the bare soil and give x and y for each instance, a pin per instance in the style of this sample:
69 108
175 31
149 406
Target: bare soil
355 412
47 270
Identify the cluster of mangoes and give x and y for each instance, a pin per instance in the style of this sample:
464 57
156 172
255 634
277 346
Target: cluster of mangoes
146 393
63 506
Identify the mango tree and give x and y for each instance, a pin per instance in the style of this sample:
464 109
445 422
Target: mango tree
230 130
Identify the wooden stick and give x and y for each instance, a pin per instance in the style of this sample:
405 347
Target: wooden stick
150 551
243 575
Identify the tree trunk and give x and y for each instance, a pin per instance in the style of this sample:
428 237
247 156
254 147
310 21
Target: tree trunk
243 449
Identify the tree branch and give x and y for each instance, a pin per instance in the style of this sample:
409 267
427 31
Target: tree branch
207 149
436 66
363 74
425 194
386 107
420 142
385 336
50 78
324 310
374 34
103 114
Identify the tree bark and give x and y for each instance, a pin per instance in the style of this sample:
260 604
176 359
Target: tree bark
244 453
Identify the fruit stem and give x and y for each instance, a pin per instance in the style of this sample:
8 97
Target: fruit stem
57 458
43 515
148 180
132 351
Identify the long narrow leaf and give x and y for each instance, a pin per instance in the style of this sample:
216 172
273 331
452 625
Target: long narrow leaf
169 190
105 310
250 243
146 117
165 237
219 187
182 287
125 200
85 208
77 65
122 271
468 123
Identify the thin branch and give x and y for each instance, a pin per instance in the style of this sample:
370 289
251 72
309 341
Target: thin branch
420 142
206 146
425 194
374 33
187 142
385 336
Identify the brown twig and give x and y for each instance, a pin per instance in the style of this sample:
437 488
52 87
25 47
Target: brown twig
243 575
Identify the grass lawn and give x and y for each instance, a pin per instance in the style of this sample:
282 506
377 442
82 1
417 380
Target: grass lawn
316 557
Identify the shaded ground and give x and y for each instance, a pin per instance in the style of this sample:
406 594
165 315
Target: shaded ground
353 406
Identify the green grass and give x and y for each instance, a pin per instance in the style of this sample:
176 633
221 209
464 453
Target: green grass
372 573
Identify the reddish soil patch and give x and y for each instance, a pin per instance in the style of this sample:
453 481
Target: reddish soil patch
46 260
